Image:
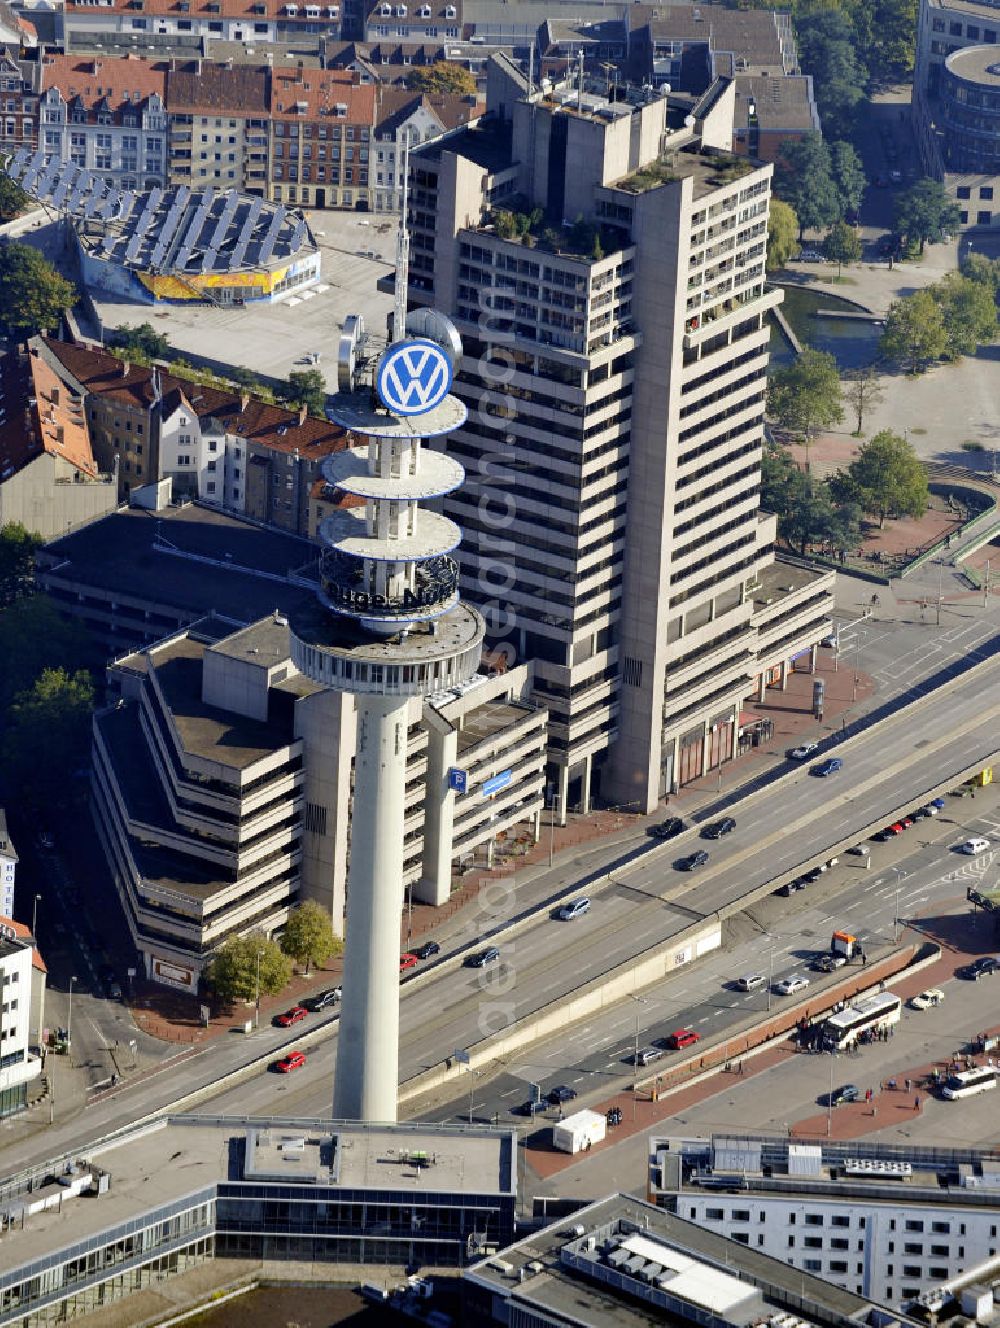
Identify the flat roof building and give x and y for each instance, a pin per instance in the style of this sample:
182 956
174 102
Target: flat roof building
104 1223
888 1221
621 1263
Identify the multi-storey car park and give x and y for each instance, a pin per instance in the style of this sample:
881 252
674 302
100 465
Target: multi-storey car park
614 371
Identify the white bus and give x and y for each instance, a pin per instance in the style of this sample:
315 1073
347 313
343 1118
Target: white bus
858 1021
967 1082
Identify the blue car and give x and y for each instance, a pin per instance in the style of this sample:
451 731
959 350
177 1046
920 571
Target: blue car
828 767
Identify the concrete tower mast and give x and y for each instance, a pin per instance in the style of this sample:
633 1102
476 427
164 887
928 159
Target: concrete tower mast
388 626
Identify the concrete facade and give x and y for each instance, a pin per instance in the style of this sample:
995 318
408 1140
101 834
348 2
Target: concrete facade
616 397
19 1065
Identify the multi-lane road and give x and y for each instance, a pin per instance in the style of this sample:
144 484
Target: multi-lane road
788 822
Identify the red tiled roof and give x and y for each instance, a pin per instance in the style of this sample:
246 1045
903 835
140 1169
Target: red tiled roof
23 933
319 91
211 9
273 427
396 104
95 80
240 90
40 416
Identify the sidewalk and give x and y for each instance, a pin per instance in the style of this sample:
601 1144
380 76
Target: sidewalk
960 939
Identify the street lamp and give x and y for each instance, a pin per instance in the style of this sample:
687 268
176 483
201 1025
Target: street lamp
639 1000
770 973
256 1017
900 877
34 918
473 1075
69 1017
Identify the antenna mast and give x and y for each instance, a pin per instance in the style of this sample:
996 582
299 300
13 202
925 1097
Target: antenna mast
402 250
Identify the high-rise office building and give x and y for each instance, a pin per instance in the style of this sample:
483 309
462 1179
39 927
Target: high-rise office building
604 263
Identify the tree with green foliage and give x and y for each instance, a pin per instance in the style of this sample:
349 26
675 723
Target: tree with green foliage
13 199
914 334
307 387
782 235
891 42
849 177
33 296
241 376
142 342
925 212
442 76
308 936
985 271
828 52
33 637
862 390
805 395
17 561
886 478
969 312
233 970
47 736
803 179
842 245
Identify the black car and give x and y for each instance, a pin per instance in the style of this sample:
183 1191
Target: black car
979 968
426 950
719 828
846 1093
527 1108
323 999
561 1094
693 860
668 829
488 956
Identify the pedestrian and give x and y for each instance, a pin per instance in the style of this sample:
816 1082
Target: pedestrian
908 1085
864 957
916 1102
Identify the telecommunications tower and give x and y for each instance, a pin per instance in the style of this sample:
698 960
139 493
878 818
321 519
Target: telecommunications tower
388 626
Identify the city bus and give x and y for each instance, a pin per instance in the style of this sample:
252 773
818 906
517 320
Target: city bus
967 1082
858 1021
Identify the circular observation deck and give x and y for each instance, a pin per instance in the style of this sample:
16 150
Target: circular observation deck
430 657
437 475
430 590
347 532
356 412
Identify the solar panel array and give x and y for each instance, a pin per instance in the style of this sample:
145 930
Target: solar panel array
164 230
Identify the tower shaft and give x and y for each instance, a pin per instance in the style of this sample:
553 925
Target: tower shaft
368 1041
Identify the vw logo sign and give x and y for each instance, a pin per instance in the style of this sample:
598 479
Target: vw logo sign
413 377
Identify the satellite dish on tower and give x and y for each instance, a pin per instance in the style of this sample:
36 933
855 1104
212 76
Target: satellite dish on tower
351 340
435 326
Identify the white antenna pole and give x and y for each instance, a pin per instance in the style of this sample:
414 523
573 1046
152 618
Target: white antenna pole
531 69
579 99
402 250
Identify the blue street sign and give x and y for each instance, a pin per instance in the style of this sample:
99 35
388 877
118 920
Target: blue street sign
458 780
413 377
497 783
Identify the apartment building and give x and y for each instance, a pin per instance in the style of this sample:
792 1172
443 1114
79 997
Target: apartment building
19 97
614 371
322 125
886 1221
49 478
416 118
413 22
954 104
108 116
21 997
223 447
219 126
166 26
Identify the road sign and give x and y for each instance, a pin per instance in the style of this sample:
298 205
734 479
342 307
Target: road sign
413 377
536 1092
461 1057
498 782
458 780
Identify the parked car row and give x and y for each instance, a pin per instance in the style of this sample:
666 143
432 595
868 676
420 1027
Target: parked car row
807 878
929 809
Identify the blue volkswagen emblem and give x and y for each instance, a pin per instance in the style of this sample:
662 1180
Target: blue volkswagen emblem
413 377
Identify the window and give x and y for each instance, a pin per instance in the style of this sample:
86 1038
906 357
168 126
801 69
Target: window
838 1266
814 1219
813 1242
714 1214
812 1265
912 1270
913 1247
740 1215
839 1220
972 32
986 191
983 218
939 1273
954 29
840 1243
791 1242
941 1228
940 1250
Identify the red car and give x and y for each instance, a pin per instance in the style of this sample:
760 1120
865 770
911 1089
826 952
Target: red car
897 828
291 1016
407 961
293 1061
684 1037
